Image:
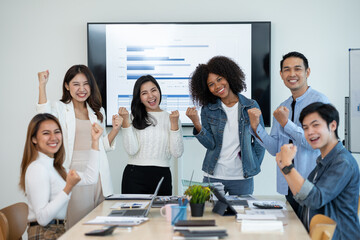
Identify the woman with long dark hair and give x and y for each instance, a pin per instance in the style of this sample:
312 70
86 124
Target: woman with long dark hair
44 180
150 139
77 110
233 156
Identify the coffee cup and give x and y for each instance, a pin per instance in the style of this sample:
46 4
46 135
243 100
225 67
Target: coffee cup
165 211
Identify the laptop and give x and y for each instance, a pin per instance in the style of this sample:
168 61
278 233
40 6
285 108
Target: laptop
137 212
161 201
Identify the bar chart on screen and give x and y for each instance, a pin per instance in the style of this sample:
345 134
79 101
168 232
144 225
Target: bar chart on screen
170 57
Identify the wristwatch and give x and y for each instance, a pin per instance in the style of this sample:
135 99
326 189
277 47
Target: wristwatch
286 170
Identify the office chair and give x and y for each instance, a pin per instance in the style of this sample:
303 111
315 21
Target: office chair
4 227
322 227
16 216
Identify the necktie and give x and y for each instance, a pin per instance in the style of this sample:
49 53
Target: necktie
292 117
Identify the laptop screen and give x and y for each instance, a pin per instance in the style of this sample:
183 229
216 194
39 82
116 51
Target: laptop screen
154 196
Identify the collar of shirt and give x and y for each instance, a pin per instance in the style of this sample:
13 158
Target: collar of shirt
45 159
330 156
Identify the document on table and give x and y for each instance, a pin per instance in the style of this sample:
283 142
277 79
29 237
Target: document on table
240 217
274 212
268 226
129 205
121 221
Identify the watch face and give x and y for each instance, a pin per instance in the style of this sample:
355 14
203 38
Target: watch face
287 169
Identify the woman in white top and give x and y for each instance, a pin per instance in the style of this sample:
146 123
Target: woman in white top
151 139
78 109
45 181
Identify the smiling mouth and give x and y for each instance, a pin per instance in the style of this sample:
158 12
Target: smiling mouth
81 94
314 139
53 145
152 102
221 90
292 80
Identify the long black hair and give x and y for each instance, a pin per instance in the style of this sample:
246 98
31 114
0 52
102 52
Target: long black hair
94 100
140 117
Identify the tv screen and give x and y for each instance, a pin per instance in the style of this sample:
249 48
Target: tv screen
119 53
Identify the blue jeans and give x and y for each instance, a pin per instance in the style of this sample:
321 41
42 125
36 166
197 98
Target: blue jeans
235 187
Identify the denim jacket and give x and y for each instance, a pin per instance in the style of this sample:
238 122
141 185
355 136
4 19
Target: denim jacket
332 189
213 120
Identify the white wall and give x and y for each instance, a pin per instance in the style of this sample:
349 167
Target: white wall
48 34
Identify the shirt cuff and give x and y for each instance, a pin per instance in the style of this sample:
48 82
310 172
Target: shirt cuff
304 191
290 127
196 133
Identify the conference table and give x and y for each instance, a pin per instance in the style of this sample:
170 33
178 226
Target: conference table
158 228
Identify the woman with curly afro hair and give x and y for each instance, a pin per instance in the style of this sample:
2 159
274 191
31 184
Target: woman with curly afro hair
233 157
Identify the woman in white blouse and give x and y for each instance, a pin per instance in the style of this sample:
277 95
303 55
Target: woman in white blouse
151 139
46 183
77 110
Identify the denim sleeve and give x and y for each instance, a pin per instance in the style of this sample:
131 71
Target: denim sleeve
304 191
205 136
327 187
257 148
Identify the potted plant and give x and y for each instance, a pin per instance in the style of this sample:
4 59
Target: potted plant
198 196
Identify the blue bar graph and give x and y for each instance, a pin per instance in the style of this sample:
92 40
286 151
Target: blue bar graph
137 48
140 67
134 77
164 62
143 48
145 58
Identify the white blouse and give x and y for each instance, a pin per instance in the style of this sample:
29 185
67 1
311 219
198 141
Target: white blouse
154 145
44 188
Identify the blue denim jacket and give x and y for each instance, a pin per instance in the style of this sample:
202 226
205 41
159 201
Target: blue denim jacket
332 189
213 120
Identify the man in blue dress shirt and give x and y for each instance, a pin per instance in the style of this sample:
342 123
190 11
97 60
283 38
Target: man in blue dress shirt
294 71
332 187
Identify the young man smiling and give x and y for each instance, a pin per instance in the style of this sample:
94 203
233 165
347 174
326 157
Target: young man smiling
294 71
332 187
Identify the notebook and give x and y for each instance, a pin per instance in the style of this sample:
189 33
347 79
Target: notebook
137 212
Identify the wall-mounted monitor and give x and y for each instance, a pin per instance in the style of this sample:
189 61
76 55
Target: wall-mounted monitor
119 53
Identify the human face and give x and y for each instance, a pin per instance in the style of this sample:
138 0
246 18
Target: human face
48 138
150 96
79 88
294 75
318 134
218 86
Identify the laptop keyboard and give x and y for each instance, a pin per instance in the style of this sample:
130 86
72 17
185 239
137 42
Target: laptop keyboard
137 212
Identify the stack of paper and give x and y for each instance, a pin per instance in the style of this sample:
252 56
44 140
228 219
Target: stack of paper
254 226
240 217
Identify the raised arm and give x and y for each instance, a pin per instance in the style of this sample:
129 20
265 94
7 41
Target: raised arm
269 142
283 159
176 141
43 79
130 141
192 113
117 121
